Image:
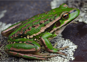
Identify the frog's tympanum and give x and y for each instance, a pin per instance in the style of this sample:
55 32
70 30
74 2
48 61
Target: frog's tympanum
27 38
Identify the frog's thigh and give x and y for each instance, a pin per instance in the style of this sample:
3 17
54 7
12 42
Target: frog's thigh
47 44
22 47
25 51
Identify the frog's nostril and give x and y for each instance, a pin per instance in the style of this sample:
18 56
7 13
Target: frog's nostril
72 11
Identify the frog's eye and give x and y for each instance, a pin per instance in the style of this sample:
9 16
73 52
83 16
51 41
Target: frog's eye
65 16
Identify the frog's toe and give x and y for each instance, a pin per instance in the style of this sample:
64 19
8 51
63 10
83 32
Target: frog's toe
63 48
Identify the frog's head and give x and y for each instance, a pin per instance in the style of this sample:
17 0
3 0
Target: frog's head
67 14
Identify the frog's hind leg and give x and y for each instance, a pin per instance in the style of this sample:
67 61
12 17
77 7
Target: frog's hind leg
26 50
31 56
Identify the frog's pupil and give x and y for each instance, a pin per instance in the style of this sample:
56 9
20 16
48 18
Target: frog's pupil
65 16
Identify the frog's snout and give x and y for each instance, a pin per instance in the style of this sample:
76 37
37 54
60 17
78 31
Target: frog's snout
73 14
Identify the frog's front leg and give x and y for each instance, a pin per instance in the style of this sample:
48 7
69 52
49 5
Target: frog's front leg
47 44
28 50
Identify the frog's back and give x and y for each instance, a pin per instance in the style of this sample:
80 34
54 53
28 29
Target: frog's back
33 26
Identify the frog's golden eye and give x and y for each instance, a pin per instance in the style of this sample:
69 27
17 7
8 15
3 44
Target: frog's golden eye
65 16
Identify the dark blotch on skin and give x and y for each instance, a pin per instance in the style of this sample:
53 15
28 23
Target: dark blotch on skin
45 20
41 22
50 19
58 23
36 26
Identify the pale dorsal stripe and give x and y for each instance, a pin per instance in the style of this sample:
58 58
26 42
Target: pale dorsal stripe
12 27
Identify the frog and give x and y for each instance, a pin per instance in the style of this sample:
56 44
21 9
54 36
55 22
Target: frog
27 38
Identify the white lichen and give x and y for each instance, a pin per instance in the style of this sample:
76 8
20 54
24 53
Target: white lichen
56 3
3 25
69 51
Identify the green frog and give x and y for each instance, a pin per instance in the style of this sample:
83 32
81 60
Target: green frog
27 38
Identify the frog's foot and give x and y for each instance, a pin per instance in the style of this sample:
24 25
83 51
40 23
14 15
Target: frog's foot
55 44
47 55
31 56
63 48
62 53
60 48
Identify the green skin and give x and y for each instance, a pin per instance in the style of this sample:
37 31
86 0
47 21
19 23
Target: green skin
30 48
